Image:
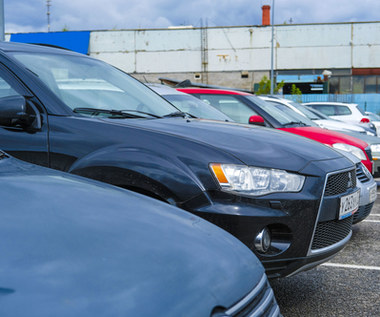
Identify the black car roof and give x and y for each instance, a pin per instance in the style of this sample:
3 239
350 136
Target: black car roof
34 48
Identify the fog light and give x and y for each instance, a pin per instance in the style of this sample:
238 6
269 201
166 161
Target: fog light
263 240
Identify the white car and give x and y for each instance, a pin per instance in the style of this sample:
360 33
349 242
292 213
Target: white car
320 119
375 119
347 112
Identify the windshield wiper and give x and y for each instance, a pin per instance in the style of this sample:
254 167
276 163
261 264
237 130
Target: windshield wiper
113 113
143 112
299 123
179 114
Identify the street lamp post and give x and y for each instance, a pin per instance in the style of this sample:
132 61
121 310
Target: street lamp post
2 20
48 5
271 53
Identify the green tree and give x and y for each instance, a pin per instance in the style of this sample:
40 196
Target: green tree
297 94
264 86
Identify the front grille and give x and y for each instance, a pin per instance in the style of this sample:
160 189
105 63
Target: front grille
259 302
362 212
330 232
340 183
360 174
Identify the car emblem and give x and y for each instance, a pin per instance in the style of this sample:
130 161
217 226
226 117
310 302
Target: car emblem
349 183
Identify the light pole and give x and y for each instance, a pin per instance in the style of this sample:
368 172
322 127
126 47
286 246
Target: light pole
48 5
2 20
271 52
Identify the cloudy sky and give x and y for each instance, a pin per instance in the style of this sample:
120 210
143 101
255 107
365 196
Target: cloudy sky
30 15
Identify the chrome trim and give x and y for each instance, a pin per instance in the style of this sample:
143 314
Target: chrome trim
312 252
276 312
260 308
248 298
311 265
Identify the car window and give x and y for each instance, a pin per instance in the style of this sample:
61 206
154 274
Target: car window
318 114
289 115
343 111
196 107
230 105
82 82
6 90
328 110
306 112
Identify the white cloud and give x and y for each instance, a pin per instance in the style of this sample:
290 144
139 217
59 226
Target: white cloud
29 16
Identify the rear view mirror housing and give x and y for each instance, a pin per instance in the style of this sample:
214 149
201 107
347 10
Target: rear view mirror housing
257 120
14 112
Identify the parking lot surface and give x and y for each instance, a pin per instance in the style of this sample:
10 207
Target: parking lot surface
347 285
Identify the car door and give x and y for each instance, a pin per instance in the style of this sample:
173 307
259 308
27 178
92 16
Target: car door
26 143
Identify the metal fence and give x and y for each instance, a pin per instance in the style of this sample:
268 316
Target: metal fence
368 102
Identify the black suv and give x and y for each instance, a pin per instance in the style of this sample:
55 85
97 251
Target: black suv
287 198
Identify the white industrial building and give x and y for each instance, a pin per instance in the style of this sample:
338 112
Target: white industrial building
240 56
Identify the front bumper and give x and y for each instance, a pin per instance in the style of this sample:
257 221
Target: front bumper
304 226
368 193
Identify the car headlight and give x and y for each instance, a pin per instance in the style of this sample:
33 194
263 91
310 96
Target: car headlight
255 181
375 148
352 149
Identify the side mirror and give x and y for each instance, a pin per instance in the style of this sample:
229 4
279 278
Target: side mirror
257 120
14 112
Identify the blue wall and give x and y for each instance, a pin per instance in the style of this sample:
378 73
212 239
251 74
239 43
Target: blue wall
76 41
368 102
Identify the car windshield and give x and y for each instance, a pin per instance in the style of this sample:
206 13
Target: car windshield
372 116
318 114
306 112
86 83
283 114
196 107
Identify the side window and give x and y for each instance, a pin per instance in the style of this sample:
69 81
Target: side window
230 106
343 111
6 90
16 111
326 109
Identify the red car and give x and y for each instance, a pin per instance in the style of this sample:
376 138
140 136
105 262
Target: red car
246 108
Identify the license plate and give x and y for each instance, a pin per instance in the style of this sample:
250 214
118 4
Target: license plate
372 193
349 204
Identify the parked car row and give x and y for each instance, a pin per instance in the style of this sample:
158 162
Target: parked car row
347 112
280 108
75 246
363 133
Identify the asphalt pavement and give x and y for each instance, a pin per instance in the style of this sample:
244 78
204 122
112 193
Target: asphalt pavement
347 285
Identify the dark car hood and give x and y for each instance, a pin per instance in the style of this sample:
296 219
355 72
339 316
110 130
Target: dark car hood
252 145
76 247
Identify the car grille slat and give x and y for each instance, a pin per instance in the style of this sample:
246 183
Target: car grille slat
361 175
362 212
330 232
341 182
259 302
